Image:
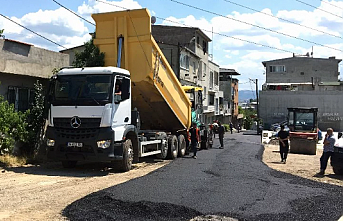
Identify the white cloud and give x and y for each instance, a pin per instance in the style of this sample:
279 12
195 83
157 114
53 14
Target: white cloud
106 6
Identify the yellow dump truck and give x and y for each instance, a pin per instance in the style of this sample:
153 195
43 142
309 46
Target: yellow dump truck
133 107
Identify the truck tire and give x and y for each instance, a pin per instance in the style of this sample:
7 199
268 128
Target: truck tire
337 171
172 147
182 145
164 148
69 164
126 163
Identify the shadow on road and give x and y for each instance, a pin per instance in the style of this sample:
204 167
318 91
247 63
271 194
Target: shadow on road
81 169
334 176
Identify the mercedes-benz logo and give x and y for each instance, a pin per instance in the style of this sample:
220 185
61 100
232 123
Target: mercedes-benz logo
75 122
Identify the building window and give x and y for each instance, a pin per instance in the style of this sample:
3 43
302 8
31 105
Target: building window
184 61
204 70
211 99
211 80
204 46
217 106
22 98
194 72
216 80
277 68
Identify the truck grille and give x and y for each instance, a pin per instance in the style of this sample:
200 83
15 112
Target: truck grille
76 134
89 123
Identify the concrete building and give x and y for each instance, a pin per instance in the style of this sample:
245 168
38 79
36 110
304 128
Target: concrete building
302 82
72 52
21 65
186 50
213 109
229 86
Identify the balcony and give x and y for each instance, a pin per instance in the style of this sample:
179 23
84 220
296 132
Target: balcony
209 109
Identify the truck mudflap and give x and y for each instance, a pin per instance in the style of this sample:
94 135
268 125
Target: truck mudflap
77 145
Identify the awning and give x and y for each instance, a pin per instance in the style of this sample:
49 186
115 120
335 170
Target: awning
276 84
188 88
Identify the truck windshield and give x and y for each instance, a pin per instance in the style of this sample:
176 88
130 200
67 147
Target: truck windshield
82 90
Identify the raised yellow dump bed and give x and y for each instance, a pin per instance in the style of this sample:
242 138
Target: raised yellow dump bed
156 92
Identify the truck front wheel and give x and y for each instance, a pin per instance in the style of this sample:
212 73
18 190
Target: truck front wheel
126 162
172 147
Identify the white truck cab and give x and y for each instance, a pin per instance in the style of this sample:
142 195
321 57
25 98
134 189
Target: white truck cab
89 118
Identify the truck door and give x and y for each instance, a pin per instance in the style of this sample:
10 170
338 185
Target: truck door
121 101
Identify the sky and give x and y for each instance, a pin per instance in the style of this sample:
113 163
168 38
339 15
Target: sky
244 33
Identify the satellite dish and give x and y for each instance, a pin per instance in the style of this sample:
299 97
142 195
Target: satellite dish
153 20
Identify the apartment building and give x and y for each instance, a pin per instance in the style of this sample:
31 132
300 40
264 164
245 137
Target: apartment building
186 50
229 86
302 81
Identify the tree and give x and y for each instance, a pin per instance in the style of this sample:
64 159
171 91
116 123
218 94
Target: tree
2 32
90 57
35 121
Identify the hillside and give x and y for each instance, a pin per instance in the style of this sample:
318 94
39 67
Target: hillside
244 95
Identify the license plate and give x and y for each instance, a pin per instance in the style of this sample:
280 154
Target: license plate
74 144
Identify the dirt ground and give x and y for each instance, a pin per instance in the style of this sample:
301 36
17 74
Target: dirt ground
302 165
42 192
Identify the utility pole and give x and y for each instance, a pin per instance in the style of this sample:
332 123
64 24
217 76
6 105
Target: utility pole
257 107
257 104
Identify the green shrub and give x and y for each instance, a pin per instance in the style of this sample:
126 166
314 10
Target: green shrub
12 127
25 127
227 127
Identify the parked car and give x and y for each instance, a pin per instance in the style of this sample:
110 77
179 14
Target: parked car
276 126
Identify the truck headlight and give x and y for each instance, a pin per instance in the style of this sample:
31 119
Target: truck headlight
50 143
104 144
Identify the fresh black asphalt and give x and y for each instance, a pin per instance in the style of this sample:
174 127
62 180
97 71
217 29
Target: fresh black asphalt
230 182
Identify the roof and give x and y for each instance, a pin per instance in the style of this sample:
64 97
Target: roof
92 70
80 46
301 58
176 34
18 42
228 71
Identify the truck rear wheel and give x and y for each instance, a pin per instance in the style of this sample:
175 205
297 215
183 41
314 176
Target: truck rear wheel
126 163
69 164
337 171
182 145
164 148
172 147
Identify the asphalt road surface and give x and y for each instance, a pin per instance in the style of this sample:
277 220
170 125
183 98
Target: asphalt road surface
219 185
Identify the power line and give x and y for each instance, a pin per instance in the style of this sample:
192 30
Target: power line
228 36
247 23
113 5
292 22
332 4
319 9
33 31
73 13
236 38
